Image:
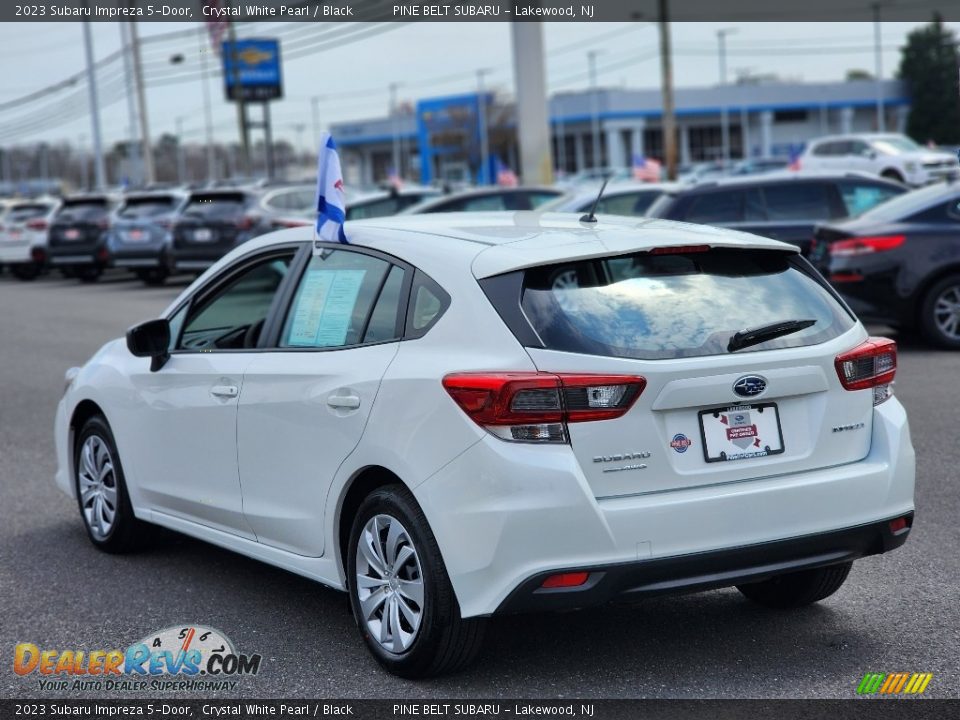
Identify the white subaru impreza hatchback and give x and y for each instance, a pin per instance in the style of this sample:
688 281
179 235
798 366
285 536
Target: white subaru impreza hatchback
454 417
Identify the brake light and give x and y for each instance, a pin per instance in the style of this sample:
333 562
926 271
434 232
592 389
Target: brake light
680 250
846 277
536 407
870 365
245 223
37 224
866 245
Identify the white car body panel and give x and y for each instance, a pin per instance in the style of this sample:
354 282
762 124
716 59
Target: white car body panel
500 511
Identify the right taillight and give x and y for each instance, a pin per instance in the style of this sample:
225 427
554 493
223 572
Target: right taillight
536 407
866 245
870 365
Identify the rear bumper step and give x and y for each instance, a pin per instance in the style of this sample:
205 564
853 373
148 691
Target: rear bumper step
703 571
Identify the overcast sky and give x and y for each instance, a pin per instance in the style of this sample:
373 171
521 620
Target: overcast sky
429 59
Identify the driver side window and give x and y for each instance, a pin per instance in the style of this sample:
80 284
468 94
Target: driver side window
232 317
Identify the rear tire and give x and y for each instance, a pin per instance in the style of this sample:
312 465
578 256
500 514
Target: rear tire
797 589
940 313
89 273
102 491
407 601
153 277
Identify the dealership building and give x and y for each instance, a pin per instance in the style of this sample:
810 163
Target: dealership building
439 138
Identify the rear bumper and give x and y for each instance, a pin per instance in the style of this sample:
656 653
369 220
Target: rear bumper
702 571
82 255
505 515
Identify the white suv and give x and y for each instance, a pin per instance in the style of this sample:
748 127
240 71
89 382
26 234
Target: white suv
459 416
891 156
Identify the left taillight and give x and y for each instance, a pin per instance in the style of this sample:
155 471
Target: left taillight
866 245
37 224
537 407
870 365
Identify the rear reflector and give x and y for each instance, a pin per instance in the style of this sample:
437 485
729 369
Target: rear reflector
898 525
866 245
565 580
846 277
870 365
536 407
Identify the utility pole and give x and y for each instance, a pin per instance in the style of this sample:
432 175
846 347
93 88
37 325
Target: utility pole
724 116
666 82
207 112
878 69
134 145
394 129
596 155
181 158
315 113
533 125
99 172
146 151
241 105
482 128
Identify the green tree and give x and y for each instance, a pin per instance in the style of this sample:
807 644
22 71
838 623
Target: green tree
928 64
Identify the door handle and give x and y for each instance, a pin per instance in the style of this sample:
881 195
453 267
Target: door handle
350 402
225 391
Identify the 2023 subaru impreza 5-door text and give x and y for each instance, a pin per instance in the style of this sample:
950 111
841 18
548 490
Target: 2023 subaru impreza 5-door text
454 417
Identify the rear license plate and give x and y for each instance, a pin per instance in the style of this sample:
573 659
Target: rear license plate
71 234
136 236
203 235
741 432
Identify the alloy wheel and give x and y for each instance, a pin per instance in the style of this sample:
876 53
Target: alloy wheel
98 487
946 312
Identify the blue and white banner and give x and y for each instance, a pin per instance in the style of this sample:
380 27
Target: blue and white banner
330 198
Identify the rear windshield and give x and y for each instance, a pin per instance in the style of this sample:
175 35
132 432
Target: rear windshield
83 210
146 207
20 213
216 207
652 306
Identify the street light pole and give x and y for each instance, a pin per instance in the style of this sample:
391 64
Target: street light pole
596 155
482 128
315 112
134 145
724 116
181 158
878 70
393 126
146 151
666 88
207 112
100 174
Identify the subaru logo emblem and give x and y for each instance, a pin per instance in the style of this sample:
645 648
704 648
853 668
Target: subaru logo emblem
749 386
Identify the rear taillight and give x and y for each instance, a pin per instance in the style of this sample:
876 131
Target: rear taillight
866 245
870 365
37 224
245 223
103 224
536 407
165 224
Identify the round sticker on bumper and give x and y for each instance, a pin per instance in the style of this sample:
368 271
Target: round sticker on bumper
680 442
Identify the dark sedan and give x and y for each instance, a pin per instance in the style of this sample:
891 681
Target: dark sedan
212 223
76 242
899 264
784 206
139 237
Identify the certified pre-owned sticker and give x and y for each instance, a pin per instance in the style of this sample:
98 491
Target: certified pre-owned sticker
680 442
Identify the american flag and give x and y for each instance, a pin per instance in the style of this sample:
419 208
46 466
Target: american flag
795 153
393 178
505 176
645 169
216 26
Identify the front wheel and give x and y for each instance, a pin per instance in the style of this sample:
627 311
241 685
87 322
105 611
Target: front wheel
940 313
400 594
797 589
102 491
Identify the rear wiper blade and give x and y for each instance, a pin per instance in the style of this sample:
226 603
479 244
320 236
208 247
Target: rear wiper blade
757 335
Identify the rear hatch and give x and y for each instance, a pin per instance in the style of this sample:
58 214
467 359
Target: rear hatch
144 220
211 223
24 223
708 414
80 223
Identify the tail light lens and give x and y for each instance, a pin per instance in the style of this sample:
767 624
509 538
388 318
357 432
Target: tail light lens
866 245
165 224
103 224
870 365
37 224
536 407
245 223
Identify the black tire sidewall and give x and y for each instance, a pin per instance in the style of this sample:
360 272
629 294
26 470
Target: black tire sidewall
928 322
399 504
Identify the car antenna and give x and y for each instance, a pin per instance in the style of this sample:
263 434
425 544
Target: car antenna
590 217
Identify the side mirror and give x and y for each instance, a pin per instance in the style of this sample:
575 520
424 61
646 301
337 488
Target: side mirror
150 339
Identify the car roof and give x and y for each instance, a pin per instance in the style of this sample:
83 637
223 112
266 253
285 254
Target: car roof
785 176
493 243
480 192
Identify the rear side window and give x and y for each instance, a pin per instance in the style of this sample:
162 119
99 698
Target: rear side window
716 207
376 208
860 197
134 208
798 201
652 306
627 203
226 207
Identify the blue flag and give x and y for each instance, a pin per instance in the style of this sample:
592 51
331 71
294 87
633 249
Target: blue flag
330 199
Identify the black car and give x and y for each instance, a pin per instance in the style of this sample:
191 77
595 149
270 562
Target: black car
784 206
212 223
899 264
76 242
139 236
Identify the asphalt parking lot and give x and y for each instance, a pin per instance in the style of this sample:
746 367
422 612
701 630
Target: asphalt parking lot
898 612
